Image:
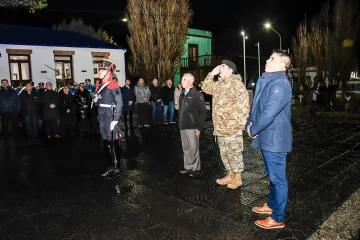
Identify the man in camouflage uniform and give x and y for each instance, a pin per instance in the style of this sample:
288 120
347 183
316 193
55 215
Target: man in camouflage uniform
230 112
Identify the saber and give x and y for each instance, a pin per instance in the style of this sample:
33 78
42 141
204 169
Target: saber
21 90
60 74
112 136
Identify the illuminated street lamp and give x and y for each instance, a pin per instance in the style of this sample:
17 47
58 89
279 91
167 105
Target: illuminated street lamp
244 37
268 25
124 20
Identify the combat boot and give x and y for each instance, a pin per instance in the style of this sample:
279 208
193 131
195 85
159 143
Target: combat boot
225 180
235 182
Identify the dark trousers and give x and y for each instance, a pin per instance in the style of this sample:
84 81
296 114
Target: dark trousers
52 127
275 167
66 125
130 114
32 125
104 126
7 118
143 113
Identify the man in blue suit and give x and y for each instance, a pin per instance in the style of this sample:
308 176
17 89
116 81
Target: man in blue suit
269 125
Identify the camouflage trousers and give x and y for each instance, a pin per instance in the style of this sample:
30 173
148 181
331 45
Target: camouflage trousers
231 148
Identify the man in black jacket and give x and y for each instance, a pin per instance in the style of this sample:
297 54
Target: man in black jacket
9 108
168 100
30 103
192 117
50 100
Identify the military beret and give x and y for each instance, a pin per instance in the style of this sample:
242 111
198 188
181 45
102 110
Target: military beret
230 64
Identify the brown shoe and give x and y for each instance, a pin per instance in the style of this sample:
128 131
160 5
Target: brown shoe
262 210
49 137
269 223
235 182
225 180
57 136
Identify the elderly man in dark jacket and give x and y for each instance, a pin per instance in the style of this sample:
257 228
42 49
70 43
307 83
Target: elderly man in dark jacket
30 103
50 101
192 117
129 98
269 124
9 108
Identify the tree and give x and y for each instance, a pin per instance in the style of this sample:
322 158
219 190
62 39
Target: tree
78 25
330 40
157 36
32 5
301 52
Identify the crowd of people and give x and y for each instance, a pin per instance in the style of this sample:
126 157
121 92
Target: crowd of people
65 111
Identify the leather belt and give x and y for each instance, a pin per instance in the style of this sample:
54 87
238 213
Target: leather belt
107 105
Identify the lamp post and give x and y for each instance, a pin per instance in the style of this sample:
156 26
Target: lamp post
244 38
258 45
268 25
102 24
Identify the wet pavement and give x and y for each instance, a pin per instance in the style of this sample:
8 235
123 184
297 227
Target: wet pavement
59 194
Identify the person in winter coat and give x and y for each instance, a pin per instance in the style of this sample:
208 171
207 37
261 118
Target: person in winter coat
192 117
50 101
155 100
269 126
67 112
83 101
168 100
142 93
30 103
9 108
129 98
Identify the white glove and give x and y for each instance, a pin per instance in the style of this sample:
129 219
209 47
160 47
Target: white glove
113 124
95 99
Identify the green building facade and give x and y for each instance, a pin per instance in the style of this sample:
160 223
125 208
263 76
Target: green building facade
198 50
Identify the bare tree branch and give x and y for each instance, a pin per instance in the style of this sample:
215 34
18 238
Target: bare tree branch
330 40
158 32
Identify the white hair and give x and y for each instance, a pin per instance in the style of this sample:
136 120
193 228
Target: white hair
189 75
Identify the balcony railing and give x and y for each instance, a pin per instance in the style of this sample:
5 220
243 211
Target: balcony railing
201 61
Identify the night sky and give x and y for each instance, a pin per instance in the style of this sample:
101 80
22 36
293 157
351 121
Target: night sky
224 18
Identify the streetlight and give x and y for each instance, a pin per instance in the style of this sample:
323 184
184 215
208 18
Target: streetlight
268 25
124 20
258 45
244 38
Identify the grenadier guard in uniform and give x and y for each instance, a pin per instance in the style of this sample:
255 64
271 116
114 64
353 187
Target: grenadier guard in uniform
109 102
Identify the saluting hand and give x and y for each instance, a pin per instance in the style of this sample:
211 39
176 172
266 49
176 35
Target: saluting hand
216 71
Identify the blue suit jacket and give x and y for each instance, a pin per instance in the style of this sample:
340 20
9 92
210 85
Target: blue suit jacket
271 113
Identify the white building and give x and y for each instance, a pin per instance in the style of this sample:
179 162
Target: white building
33 54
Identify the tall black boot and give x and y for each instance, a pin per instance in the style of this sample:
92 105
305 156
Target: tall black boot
115 172
108 156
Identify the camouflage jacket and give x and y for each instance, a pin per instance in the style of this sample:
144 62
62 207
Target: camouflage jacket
230 108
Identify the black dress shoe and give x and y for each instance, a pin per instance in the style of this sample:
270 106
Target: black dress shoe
194 174
185 171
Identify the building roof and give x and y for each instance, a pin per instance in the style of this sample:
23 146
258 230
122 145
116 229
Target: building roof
21 35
